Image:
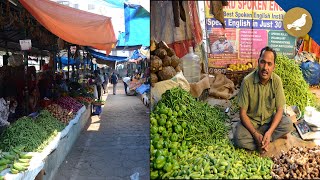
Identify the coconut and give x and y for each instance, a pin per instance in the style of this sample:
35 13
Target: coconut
175 61
166 61
156 64
167 73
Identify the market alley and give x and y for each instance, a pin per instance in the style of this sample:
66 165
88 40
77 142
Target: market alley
114 145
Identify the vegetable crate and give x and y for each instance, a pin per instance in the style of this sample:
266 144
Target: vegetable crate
237 76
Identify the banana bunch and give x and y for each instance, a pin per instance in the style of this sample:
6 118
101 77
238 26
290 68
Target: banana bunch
16 160
239 67
153 45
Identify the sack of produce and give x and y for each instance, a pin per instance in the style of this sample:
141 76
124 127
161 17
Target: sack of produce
197 88
311 72
221 87
160 87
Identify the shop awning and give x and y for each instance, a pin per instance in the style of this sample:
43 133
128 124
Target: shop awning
102 56
73 25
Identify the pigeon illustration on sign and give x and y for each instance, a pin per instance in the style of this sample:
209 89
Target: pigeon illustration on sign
297 24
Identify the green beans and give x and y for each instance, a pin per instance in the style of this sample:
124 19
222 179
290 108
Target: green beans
206 123
34 135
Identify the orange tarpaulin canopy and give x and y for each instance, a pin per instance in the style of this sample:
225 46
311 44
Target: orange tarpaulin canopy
73 25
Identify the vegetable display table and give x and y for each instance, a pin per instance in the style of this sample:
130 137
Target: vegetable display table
54 153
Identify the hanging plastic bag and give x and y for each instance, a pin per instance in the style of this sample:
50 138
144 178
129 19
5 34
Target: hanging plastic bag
311 72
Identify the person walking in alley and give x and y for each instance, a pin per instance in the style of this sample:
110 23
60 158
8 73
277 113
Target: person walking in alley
105 83
98 83
114 81
102 80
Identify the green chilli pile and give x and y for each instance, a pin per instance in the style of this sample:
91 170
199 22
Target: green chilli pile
189 140
205 123
296 89
33 134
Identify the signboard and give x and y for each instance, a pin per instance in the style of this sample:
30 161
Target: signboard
250 26
25 44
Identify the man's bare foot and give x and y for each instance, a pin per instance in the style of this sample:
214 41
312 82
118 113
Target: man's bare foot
284 136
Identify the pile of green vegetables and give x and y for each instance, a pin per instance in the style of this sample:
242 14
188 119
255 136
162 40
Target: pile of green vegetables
189 140
205 123
296 89
33 134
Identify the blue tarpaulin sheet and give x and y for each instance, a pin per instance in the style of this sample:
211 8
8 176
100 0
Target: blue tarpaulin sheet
102 56
143 88
64 61
137 26
115 3
136 54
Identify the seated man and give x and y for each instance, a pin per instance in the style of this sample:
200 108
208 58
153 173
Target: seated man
260 94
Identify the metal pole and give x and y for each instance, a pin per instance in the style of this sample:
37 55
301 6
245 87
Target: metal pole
26 88
55 65
87 65
91 64
68 61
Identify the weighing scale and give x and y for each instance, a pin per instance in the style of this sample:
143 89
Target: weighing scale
307 131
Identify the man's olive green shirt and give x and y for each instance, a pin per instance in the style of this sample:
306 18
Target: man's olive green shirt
260 100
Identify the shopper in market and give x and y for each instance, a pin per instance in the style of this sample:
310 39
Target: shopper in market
114 81
98 82
126 81
105 83
260 94
102 80
8 104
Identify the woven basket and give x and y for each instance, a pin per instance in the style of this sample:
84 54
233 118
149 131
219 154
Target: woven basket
237 76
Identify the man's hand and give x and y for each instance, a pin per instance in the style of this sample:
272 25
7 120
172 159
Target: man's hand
259 139
266 140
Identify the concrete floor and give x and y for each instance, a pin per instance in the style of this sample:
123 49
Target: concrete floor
114 145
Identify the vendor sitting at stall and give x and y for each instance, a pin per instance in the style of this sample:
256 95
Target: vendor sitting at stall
33 100
8 104
260 94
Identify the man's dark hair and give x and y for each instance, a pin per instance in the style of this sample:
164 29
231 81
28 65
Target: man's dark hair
267 48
